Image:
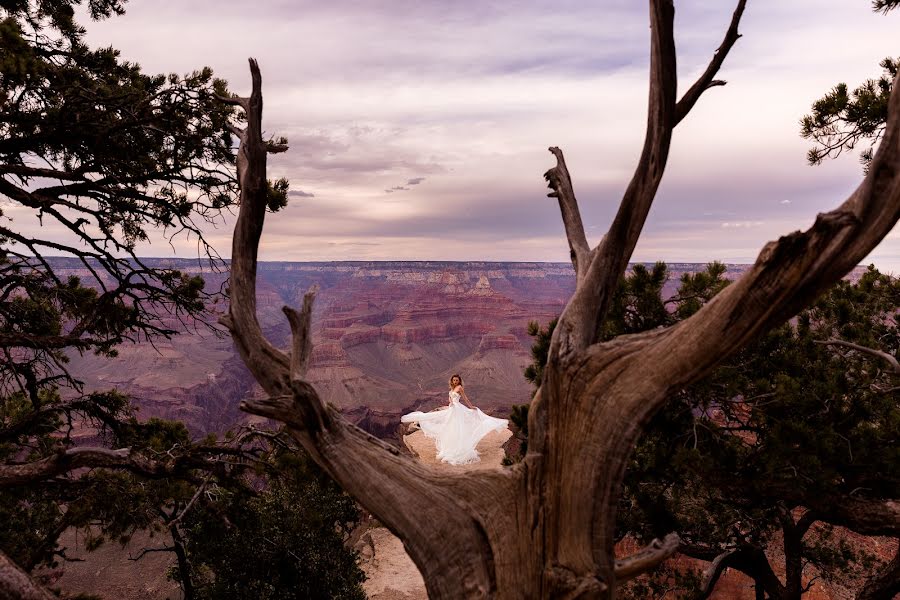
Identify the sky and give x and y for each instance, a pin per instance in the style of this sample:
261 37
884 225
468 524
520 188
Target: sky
419 129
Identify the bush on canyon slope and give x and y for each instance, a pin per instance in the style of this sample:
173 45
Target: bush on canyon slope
768 448
288 541
93 146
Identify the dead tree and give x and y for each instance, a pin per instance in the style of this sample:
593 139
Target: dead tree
544 527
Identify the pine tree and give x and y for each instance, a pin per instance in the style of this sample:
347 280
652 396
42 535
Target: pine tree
791 436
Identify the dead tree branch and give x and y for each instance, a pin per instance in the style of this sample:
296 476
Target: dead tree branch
707 79
789 273
888 358
559 181
546 526
411 499
301 334
647 559
77 458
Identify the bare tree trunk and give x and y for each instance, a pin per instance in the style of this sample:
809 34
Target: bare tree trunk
760 592
751 561
544 528
793 534
15 584
184 567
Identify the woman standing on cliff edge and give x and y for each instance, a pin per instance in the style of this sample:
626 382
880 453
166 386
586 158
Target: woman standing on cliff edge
457 429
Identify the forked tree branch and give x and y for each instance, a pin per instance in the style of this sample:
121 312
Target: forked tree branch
559 181
423 508
255 349
788 274
589 303
646 559
749 560
712 574
609 260
707 80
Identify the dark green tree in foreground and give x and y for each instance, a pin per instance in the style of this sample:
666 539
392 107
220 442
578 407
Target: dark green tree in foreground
789 438
288 541
842 119
105 158
101 155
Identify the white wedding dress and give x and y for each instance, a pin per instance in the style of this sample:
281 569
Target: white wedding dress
456 430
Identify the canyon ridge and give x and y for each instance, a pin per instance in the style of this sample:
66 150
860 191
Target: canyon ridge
387 337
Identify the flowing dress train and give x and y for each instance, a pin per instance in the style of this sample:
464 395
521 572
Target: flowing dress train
456 430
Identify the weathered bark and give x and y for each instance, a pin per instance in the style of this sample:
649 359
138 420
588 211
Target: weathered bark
866 516
15 584
544 528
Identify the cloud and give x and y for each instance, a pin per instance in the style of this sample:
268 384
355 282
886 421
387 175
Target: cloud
300 194
741 224
460 100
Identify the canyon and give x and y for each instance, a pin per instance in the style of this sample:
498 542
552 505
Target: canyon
386 338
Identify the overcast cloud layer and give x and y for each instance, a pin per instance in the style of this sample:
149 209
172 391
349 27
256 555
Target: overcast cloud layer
418 129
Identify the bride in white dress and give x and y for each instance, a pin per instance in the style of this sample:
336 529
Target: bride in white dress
457 429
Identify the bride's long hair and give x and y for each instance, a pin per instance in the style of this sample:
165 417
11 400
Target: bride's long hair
450 381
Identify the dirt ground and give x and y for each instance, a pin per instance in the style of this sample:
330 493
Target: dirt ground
391 573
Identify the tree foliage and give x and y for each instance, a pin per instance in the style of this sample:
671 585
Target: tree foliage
105 155
842 119
92 146
287 541
762 450
102 155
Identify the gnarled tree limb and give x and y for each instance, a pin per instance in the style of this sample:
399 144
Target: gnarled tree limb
888 358
646 559
546 526
589 303
559 181
423 508
789 273
712 574
77 458
301 334
706 80
862 515
749 560
610 259
123 459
